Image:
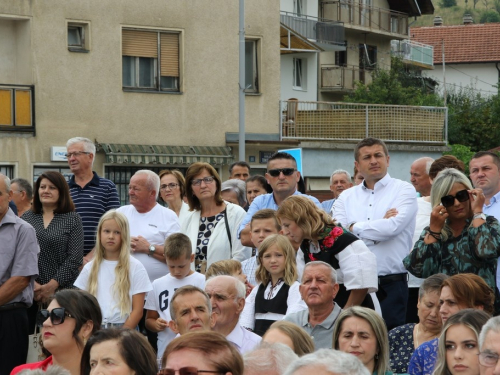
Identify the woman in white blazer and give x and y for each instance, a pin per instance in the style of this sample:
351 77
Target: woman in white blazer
212 224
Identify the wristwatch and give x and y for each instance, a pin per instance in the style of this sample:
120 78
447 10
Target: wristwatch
479 215
151 250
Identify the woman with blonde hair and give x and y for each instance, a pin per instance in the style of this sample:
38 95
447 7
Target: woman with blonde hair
363 333
290 334
212 224
277 293
114 277
173 191
459 343
322 239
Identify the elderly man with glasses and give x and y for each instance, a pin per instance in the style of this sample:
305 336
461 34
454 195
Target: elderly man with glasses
489 347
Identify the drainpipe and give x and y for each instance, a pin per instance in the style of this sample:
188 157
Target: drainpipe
241 137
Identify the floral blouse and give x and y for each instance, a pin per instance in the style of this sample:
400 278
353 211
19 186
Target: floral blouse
401 347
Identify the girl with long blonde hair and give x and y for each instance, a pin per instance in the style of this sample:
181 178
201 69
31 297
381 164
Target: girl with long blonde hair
116 279
277 293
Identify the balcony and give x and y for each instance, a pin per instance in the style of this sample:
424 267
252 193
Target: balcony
343 78
365 18
414 53
17 108
327 34
324 121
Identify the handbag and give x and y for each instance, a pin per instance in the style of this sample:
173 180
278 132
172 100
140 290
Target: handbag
35 345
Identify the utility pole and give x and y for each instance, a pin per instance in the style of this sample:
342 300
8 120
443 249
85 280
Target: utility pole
241 138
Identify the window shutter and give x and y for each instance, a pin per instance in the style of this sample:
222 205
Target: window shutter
23 108
139 43
6 107
169 51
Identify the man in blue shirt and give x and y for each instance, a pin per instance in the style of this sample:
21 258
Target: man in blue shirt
91 194
339 181
283 176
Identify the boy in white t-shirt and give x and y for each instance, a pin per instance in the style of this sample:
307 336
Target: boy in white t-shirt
178 256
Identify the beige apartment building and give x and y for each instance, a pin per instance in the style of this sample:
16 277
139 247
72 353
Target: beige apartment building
154 83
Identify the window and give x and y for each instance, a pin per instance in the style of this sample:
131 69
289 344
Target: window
341 57
299 7
299 74
39 169
251 67
17 108
7 170
367 57
78 36
150 60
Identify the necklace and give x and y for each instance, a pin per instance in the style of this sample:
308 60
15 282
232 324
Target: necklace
270 294
418 333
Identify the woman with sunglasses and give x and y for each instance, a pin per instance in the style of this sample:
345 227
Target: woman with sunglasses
212 223
173 191
66 325
460 238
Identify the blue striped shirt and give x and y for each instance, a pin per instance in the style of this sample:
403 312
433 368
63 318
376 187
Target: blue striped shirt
91 202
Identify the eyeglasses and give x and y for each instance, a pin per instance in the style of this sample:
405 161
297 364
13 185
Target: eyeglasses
285 171
206 180
56 316
76 154
187 371
461 196
169 186
488 359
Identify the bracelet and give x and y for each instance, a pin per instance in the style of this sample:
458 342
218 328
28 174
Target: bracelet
435 236
435 233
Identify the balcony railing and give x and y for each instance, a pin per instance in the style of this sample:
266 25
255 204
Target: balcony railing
17 108
414 52
343 78
362 16
353 122
316 29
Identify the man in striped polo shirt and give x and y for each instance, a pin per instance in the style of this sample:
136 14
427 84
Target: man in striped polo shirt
91 194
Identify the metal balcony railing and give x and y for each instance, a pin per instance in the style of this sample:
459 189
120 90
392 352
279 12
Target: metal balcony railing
343 78
316 29
365 17
413 52
17 108
353 122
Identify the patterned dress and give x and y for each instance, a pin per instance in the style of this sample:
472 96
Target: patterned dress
401 347
424 358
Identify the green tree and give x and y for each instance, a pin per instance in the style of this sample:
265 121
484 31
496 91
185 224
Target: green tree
394 86
463 153
489 16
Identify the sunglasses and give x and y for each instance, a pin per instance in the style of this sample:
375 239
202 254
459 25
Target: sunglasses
285 171
449 200
56 316
186 371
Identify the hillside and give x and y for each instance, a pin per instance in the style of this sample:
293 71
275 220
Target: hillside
454 15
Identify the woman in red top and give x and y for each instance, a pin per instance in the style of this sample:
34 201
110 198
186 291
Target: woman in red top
70 319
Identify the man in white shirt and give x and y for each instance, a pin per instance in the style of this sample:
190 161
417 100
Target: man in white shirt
484 169
150 223
227 295
381 212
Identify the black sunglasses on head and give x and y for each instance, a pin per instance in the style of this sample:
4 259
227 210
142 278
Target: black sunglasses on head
56 316
285 171
449 200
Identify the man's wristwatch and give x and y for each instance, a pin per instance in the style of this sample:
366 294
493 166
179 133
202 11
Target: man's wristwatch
151 250
479 215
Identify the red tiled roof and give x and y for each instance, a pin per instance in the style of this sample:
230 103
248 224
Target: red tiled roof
462 43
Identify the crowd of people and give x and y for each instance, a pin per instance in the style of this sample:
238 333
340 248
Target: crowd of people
251 275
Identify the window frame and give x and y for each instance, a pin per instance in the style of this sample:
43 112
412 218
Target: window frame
370 52
299 7
302 85
157 64
84 26
255 90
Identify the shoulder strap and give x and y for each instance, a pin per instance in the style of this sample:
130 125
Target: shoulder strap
227 230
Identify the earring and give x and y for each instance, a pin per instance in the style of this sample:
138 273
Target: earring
84 340
376 357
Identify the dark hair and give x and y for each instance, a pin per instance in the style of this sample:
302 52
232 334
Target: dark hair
194 170
180 179
24 185
177 245
213 346
266 213
282 155
188 289
368 142
301 185
471 290
432 284
239 164
261 180
446 161
83 307
134 348
64 203
480 154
